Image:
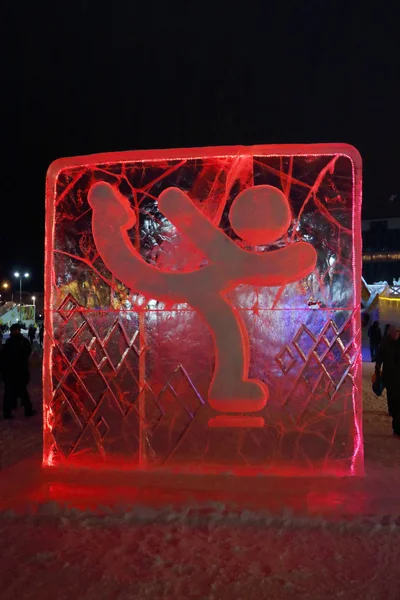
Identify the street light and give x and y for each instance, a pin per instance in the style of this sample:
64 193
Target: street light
19 276
5 285
34 299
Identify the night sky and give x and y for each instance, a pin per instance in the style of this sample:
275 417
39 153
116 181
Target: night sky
93 76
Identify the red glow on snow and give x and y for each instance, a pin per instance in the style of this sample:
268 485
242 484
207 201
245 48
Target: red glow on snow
179 286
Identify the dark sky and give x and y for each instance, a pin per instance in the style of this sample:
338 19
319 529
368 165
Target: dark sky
94 76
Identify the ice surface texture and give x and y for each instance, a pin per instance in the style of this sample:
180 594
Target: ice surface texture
203 310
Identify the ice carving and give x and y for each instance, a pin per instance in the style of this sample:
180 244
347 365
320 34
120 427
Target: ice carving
133 354
260 215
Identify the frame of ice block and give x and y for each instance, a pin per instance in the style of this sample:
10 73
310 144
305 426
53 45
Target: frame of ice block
311 423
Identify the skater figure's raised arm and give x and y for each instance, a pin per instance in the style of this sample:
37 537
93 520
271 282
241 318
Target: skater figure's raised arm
189 220
111 220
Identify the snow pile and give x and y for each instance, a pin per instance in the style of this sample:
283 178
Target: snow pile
48 557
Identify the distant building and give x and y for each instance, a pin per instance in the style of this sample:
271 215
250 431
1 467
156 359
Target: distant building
27 299
381 249
10 313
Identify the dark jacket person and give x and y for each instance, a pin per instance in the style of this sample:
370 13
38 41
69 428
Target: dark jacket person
375 338
389 357
14 364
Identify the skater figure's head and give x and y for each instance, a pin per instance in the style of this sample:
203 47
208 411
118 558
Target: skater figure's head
260 215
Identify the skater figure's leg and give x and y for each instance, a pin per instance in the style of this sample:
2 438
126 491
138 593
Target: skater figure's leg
230 389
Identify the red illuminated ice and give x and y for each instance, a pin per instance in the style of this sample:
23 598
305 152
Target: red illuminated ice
202 310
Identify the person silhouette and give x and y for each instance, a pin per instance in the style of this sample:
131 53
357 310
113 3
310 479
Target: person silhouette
14 366
259 215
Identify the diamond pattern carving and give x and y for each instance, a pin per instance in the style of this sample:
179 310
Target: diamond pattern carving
285 359
304 342
326 361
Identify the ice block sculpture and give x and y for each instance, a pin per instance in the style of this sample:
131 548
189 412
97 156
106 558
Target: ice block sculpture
202 310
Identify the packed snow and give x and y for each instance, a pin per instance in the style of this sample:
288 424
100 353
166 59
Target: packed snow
207 551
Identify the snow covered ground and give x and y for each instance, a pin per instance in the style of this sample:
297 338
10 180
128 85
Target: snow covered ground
342 541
